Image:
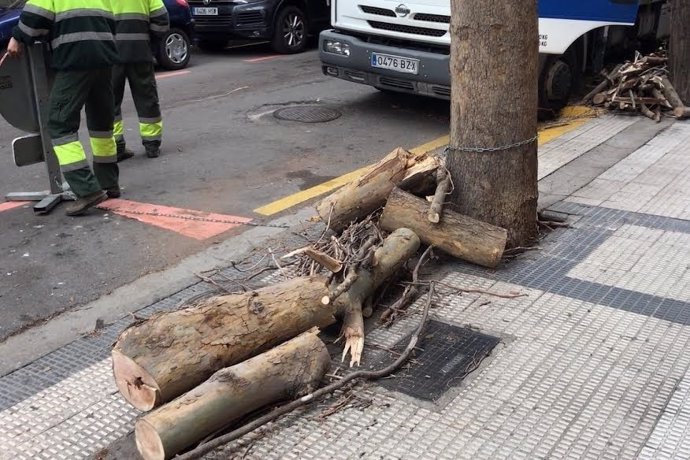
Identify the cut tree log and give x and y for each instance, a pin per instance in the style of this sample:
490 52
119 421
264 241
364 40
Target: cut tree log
368 193
600 98
670 93
288 371
457 235
681 113
159 359
396 250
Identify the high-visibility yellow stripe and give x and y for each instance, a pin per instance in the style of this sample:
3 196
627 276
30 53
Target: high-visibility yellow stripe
69 153
103 146
118 128
149 130
61 6
576 116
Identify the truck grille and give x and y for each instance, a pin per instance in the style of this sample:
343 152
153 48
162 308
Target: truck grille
407 29
396 83
441 19
377 11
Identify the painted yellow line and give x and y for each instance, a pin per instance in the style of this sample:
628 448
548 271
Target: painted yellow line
575 114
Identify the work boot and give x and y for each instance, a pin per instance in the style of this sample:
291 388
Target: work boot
123 153
153 151
113 192
85 203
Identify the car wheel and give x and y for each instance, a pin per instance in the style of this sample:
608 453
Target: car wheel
212 45
174 51
290 32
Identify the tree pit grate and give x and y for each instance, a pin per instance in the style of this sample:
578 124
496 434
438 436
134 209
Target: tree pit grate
444 356
307 114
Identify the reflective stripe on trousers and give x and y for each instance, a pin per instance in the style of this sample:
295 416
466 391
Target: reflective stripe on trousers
70 155
151 131
103 147
119 130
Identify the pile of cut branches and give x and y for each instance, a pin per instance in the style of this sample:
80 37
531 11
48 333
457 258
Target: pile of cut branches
641 85
211 363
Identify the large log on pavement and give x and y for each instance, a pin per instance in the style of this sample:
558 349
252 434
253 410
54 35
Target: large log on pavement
368 193
168 354
290 370
458 235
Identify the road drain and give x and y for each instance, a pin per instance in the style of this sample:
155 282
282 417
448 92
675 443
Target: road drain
448 354
307 114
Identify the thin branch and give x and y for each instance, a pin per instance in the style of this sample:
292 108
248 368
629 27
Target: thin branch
409 293
213 282
473 291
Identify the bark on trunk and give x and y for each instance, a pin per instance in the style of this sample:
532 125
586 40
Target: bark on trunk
288 371
494 62
679 50
368 193
166 355
458 235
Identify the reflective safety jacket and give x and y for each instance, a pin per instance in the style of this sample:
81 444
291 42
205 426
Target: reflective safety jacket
136 21
80 32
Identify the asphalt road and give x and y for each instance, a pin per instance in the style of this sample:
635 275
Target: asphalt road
224 152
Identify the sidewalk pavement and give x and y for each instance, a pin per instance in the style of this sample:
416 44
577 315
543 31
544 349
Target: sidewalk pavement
590 362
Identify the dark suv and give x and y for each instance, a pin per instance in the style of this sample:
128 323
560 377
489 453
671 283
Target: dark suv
286 23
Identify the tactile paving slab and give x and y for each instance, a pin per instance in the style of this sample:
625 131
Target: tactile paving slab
444 356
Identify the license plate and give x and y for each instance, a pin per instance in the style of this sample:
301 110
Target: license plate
397 63
206 11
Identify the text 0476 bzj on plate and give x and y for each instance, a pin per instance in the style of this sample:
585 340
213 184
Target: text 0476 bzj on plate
397 63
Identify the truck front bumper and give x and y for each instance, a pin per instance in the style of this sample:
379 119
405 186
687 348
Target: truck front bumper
432 79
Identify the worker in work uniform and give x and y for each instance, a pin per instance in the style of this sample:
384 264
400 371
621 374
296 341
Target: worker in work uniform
137 21
82 39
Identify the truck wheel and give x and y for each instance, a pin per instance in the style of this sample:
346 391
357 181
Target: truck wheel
290 32
556 84
174 50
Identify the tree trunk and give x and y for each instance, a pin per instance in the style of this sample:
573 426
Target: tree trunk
679 50
161 358
494 62
288 371
368 193
458 235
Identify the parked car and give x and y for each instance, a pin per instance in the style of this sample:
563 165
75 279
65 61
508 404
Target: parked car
175 48
9 16
172 51
285 23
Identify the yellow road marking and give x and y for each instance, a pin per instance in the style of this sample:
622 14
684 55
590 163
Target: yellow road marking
577 116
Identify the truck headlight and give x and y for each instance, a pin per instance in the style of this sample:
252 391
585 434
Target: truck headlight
336 47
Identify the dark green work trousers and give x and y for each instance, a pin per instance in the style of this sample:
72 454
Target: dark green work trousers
142 83
71 91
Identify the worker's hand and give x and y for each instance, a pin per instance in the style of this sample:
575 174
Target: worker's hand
15 48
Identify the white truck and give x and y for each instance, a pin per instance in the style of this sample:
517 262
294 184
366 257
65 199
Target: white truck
405 46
